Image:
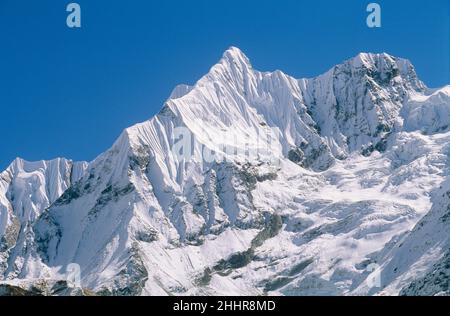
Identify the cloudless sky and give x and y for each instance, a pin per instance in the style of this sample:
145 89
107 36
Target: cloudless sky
70 92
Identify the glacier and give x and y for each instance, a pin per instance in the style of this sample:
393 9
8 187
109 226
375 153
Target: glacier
354 183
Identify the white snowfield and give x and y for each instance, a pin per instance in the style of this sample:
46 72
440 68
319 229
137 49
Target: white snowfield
352 196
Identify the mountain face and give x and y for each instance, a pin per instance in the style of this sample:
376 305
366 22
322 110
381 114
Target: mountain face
27 189
283 187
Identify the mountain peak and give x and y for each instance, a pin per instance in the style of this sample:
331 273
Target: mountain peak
376 61
384 67
234 59
370 59
234 53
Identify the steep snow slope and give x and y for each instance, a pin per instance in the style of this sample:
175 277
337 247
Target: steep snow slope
287 186
424 252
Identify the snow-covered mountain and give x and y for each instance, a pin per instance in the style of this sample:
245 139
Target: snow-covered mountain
282 186
26 190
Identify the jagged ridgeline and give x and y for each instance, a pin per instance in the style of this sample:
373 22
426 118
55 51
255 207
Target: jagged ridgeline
351 162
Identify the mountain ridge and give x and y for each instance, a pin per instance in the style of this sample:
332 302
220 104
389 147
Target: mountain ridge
141 207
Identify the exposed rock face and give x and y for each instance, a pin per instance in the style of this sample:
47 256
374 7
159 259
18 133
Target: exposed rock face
435 282
10 290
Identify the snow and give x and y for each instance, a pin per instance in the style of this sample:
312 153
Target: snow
428 113
349 162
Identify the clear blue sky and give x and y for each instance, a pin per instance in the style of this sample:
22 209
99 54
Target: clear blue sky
66 92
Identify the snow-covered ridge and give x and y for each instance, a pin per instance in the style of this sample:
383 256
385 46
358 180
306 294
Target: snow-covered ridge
30 187
359 151
360 101
429 112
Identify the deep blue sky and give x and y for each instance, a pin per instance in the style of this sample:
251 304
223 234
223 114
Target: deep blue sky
66 92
